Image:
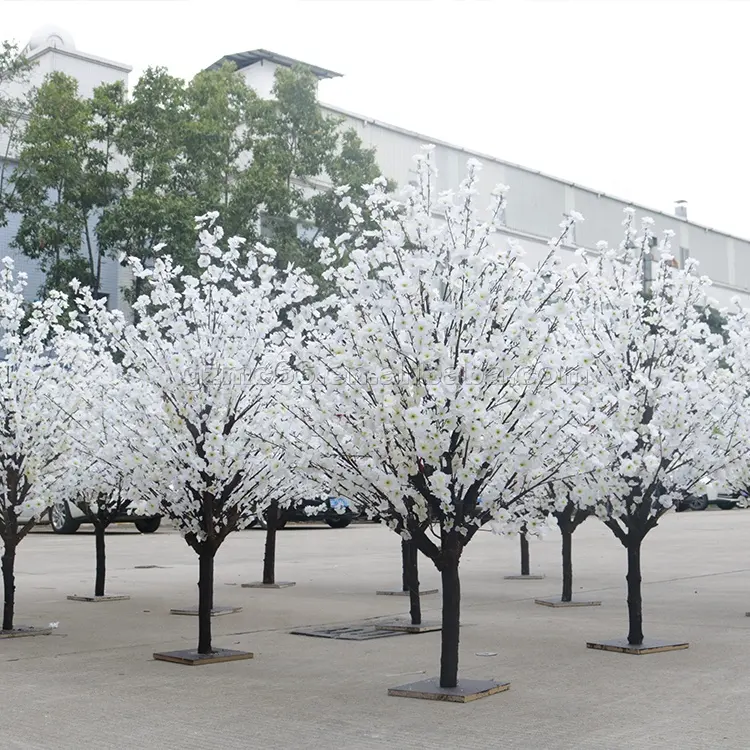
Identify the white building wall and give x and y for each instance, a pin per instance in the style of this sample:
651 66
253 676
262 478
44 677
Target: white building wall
537 203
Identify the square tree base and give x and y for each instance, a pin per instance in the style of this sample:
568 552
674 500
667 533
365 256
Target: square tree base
649 646
560 603
399 592
404 625
464 692
24 631
105 598
525 578
261 585
215 612
192 658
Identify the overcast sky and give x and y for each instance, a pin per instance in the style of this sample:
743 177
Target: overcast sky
643 99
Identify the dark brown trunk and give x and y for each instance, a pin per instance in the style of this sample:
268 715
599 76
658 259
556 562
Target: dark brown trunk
101 559
411 575
205 598
404 565
525 568
635 604
567 564
9 586
269 558
451 623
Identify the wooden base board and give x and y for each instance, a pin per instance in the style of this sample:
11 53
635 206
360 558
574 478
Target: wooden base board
464 692
649 646
560 603
261 585
399 592
525 578
192 658
105 598
24 631
404 625
215 612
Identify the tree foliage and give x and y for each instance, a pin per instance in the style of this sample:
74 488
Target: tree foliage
108 177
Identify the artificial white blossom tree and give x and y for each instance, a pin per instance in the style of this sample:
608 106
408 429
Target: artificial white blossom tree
106 471
36 365
434 390
668 415
205 355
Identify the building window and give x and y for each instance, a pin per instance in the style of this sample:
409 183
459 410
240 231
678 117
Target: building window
683 256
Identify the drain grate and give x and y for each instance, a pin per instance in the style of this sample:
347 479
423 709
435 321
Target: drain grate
352 632
149 567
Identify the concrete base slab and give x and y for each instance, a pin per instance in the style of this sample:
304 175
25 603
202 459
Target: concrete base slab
192 658
24 631
105 598
649 646
464 692
261 585
215 612
406 626
399 592
525 578
560 603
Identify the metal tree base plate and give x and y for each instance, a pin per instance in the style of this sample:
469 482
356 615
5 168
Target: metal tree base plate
405 625
215 612
192 658
399 592
105 598
355 631
464 692
538 577
261 585
24 631
649 646
560 603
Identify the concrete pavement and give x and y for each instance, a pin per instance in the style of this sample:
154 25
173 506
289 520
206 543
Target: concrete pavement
93 684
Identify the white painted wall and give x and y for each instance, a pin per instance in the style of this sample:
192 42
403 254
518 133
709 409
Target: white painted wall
537 204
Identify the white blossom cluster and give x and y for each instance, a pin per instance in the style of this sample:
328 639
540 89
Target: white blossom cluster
444 376
37 362
201 394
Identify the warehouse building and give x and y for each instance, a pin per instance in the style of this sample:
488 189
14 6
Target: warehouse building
537 202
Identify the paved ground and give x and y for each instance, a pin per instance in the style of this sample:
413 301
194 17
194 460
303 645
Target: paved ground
93 684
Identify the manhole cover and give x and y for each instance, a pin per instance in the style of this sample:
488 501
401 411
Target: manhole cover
149 567
353 632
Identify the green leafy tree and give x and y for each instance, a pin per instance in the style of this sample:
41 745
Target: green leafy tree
108 177
15 69
154 209
218 147
66 178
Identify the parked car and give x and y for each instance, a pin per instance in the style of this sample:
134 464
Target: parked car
66 518
337 512
722 498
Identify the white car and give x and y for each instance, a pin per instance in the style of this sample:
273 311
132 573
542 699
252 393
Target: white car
66 518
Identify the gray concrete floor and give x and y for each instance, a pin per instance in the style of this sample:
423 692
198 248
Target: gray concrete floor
93 683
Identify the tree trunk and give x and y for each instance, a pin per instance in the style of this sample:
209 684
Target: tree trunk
451 622
567 564
411 575
525 568
269 557
635 604
9 586
205 599
404 565
101 559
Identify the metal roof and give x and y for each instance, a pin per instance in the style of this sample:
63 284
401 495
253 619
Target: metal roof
244 59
